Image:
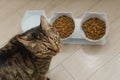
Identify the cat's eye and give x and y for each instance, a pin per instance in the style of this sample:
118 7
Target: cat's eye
46 49
56 40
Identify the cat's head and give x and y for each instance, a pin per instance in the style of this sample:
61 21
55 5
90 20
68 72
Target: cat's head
41 40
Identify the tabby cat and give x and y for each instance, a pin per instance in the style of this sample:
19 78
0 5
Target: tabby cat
27 56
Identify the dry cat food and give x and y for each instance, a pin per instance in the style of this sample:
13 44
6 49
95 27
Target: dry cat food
94 28
64 25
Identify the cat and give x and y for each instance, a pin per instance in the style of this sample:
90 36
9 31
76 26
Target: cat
27 56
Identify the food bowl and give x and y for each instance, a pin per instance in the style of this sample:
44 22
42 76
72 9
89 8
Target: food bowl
60 15
100 16
32 19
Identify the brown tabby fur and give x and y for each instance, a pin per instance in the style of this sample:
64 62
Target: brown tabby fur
27 56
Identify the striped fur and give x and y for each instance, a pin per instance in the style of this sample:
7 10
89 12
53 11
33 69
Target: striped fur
27 56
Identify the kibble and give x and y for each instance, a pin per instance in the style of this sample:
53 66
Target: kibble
64 25
94 28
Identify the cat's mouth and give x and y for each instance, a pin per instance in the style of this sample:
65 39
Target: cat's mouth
56 50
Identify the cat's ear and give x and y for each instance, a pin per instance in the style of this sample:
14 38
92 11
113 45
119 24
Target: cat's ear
44 23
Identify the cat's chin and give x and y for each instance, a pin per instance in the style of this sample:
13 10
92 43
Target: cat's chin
42 55
55 52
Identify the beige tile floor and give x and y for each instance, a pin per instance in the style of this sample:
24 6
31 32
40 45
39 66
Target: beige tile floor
74 62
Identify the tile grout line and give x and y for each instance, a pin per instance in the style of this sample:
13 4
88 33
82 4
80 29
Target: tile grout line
68 72
19 14
103 65
96 3
17 11
64 69
64 60
53 68
95 9
115 19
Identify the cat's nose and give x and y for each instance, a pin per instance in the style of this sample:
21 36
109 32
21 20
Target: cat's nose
57 49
